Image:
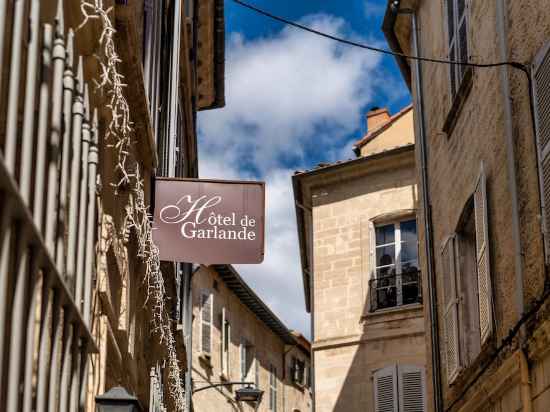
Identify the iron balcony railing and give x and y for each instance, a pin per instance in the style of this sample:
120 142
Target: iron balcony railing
48 220
395 290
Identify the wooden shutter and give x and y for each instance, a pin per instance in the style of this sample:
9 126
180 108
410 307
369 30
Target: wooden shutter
483 259
412 389
243 361
206 322
385 390
257 371
541 95
452 343
373 299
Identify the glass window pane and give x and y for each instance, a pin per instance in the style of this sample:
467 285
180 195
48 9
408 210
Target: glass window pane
408 231
409 266
386 271
409 251
385 234
385 255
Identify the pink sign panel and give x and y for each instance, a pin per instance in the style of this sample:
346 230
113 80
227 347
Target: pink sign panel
209 221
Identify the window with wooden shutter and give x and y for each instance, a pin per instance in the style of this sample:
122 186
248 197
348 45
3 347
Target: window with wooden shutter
483 259
273 388
541 95
412 389
206 322
225 342
450 287
385 390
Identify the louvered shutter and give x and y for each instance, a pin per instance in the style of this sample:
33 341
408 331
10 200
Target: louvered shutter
452 344
385 390
541 94
483 259
206 322
412 389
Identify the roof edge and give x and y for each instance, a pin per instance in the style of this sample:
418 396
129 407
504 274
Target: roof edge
287 336
388 26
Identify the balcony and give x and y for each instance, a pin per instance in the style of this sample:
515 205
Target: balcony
395 290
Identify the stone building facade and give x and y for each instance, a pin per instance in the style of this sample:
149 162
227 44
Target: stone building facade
236 338
358 243
74 317
482 160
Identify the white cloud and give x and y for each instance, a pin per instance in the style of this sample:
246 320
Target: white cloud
286 91
286 95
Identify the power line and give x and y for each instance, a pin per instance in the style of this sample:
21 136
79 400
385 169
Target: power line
288 22
516 65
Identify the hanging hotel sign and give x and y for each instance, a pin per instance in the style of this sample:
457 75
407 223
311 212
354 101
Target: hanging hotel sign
209 221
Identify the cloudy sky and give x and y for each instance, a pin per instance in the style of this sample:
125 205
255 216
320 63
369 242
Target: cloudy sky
293 100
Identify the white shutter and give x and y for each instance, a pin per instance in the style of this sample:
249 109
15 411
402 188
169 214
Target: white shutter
452 343
483 259
541 95
206 322
223 340
385 390
412 389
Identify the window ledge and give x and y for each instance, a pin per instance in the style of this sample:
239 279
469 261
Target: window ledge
398 309
458 102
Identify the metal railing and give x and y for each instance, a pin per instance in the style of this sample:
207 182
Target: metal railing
48 228
395 290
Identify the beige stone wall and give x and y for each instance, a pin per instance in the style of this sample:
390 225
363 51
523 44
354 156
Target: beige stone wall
268 347
399 133
350 344
479 135
342 213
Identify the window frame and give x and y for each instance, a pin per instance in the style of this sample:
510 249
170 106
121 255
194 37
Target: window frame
209 295
453 41
397 263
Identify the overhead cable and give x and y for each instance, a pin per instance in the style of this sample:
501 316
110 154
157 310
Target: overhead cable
288 22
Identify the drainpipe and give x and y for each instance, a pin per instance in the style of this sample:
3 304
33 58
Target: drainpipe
428 243
510 151
525 381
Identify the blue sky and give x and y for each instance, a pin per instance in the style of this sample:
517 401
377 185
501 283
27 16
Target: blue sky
293 100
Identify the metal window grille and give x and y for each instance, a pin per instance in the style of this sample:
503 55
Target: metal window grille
48 227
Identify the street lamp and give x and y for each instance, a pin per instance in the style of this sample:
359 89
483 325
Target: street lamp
248 394
117 399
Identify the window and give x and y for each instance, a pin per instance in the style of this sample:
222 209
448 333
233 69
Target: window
400 388
273 388
458 41
297 371
247 359
465 263
206 322
396 278
225 343
541 95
